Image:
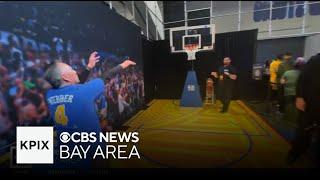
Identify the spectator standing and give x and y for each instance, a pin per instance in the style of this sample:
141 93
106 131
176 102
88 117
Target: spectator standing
285 65
273 88
289 81
308 104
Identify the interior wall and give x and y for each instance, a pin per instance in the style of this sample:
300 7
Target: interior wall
270 48
287 17
312 46
149 75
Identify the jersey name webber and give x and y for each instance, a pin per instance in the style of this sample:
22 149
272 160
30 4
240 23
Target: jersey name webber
67 98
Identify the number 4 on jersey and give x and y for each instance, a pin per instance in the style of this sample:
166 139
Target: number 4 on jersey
60 116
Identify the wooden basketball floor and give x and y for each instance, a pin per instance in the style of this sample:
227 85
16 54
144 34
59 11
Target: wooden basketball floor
174 136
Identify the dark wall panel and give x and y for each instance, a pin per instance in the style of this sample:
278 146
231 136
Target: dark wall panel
267 49
149 75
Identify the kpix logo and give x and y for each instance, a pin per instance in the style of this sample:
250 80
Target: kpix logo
34 145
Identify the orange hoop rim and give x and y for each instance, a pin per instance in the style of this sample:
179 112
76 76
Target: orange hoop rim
191 47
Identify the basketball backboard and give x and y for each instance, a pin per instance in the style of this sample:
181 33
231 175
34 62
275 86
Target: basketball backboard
179 36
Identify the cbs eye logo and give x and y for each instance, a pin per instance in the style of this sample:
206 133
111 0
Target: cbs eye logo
64 137
78 137
34 145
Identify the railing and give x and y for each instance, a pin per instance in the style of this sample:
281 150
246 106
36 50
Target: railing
270 28
240 18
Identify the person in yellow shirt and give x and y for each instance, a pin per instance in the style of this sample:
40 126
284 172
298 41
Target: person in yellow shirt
273 87
274 70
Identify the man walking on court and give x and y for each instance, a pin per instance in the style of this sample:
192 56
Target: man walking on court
227 75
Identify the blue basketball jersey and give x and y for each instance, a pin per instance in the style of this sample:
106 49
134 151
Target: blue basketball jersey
74 108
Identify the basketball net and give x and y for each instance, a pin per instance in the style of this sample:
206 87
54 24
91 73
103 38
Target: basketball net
191 50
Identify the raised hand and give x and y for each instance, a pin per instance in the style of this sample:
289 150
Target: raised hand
93 59
127 63
233 76
215 74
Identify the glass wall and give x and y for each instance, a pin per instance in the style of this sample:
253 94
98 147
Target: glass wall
139 13
273 19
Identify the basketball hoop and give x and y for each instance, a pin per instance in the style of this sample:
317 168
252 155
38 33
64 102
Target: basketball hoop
191 50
